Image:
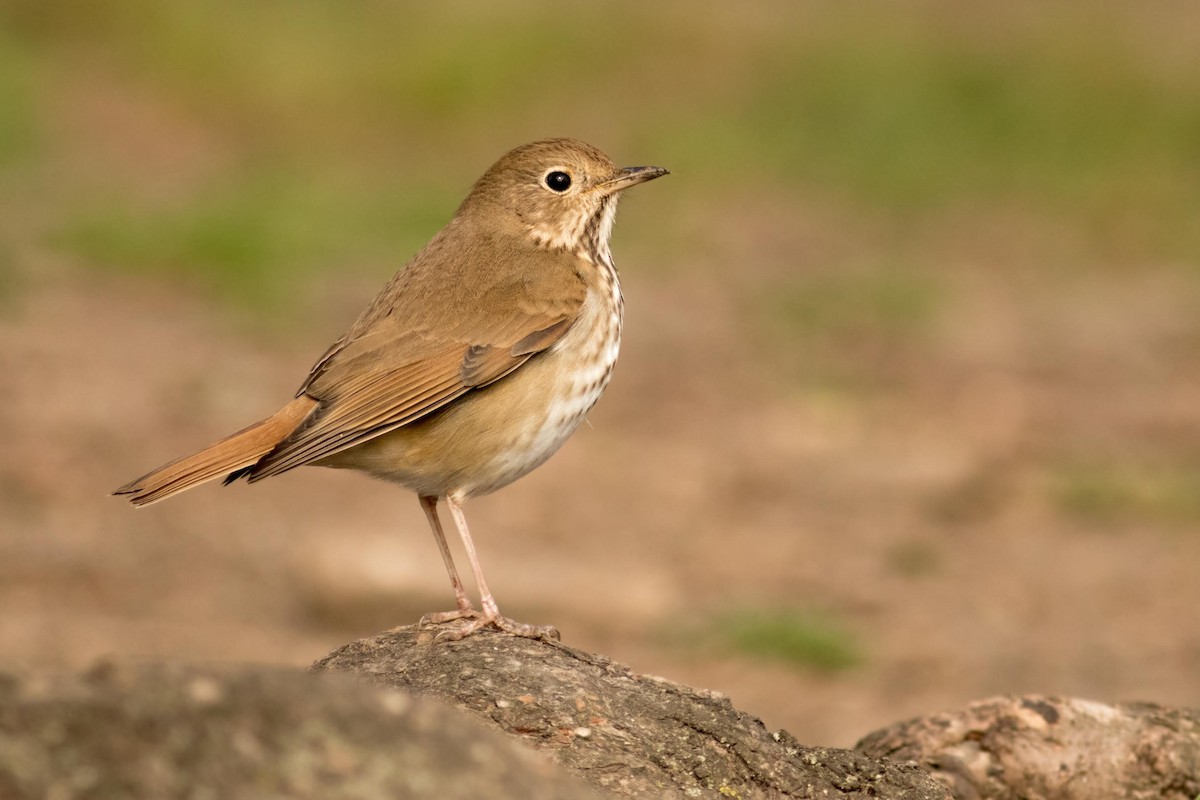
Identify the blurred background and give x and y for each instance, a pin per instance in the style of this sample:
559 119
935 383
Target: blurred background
908 408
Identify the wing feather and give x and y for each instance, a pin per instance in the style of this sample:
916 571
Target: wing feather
427 339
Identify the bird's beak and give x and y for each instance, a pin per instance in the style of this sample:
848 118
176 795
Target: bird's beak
630 176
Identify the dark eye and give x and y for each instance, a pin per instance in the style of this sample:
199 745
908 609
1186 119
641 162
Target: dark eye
558 181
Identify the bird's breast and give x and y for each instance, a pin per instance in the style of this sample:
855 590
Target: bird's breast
491 437
559 388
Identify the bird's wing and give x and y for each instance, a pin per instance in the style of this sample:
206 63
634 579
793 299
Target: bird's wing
428 338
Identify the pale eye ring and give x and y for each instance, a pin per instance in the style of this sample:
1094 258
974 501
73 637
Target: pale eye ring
557 181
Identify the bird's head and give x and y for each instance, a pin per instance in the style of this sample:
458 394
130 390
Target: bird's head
562 192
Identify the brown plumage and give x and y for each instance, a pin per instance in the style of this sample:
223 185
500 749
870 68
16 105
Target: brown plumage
474 363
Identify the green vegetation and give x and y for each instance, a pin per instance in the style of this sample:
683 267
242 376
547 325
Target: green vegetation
1125 492
18 128
249 240
900 114
905 118
800 639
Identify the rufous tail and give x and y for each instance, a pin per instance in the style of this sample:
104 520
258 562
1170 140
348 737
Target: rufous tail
241 450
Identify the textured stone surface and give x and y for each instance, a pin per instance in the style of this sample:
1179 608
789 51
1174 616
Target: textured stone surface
251 732
1052 747
630 734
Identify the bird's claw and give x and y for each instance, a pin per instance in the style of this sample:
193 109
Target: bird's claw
439 617
477 621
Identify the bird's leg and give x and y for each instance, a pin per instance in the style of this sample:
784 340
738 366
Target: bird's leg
491 613
429 504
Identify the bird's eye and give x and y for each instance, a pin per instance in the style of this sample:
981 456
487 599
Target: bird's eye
558 181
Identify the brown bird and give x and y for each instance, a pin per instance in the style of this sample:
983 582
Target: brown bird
472 366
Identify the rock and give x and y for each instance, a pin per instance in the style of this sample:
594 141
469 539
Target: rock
251 732
631 735
1052 747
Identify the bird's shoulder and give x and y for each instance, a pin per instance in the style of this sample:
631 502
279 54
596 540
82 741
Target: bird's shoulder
471 286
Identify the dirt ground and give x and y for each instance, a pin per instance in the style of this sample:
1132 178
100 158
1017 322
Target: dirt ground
981 470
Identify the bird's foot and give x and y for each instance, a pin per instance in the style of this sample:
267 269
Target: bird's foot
437 618
481 620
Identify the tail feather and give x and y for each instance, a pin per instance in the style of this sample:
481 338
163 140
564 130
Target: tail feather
230 455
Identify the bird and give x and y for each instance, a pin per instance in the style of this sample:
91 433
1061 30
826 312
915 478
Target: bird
470 368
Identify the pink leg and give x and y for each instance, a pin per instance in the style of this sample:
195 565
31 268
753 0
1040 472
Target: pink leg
491 613
429 504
